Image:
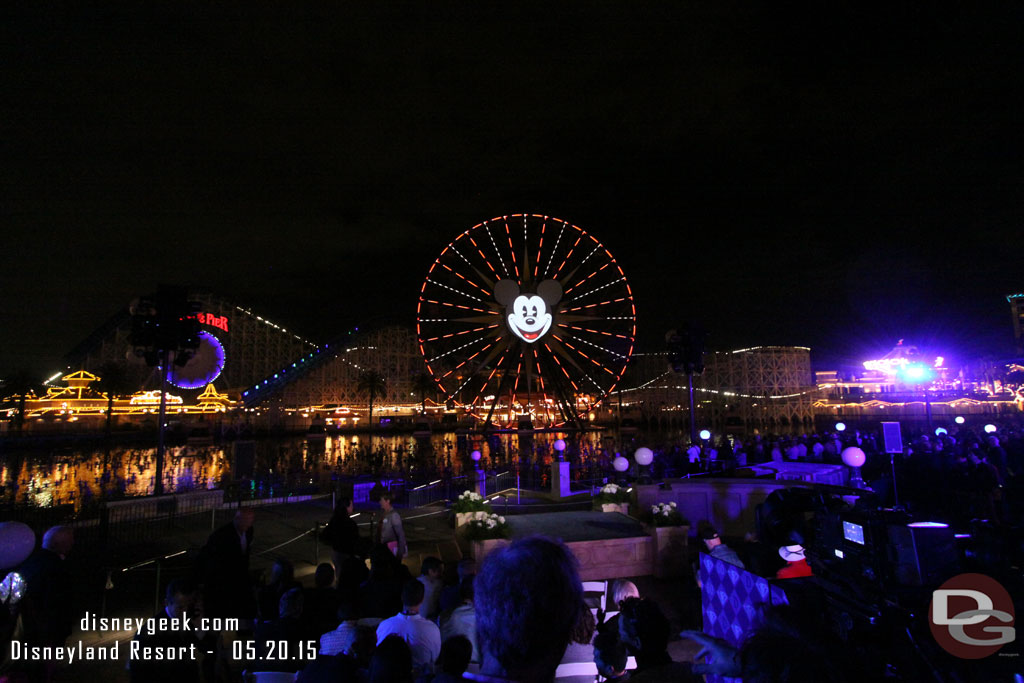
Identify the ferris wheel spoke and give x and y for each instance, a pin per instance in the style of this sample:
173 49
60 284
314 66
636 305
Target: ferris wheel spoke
449 288
568 257
496 250
465 279
572 273
603 349
599 333
587 278
479 273
511 248
452 335
597 289
480 251
554 250
540 246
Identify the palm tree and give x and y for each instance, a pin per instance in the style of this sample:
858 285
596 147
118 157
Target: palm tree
373 383
20 383
424 385
113 382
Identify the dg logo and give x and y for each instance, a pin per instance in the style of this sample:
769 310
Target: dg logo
971 616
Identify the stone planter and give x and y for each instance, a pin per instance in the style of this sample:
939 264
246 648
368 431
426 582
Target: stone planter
462 518
482 548
615 507
670 550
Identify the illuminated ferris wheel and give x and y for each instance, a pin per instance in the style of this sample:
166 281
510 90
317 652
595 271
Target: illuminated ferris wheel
526 317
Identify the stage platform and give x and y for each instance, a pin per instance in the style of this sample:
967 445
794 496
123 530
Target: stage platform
608 545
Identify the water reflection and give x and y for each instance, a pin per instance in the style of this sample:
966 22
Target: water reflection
79 477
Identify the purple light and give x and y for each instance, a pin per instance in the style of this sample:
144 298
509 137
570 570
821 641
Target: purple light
928 525
204 367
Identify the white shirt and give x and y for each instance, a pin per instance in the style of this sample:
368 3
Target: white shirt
422 636
340 640
462 621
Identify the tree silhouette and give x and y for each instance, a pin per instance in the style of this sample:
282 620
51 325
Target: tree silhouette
424 385
113 381
372 383
20 384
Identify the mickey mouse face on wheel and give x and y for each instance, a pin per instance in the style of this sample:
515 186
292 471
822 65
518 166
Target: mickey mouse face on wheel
528 315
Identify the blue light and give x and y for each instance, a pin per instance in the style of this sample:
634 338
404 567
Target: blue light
840 426
928 525
705 434
916 373
939 431
245 393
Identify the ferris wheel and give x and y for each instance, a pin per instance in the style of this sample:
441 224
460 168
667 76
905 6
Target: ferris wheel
526 317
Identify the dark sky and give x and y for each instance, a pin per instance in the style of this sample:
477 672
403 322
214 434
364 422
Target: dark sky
783 176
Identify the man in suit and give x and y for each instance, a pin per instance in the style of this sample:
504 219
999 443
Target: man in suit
172 630
224 569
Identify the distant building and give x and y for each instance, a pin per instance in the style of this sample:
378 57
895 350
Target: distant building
1017 312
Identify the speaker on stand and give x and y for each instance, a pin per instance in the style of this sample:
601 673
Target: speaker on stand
892 439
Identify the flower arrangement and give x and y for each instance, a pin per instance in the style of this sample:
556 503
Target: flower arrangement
666 514
468 501
486 525
612 493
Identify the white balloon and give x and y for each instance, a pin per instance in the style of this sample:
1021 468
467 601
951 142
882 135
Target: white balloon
620 464
17 541
853 456
643 456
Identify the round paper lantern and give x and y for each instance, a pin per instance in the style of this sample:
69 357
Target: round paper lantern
644 456
17 541
705 434
840 426
990 429
620 464
853 456
959 419
475 455
939 431
559 445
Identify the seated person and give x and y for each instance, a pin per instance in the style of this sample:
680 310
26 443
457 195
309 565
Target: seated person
462 620
286 635
342 640
422 636
610 657
320 603
528 598
452 662
391 662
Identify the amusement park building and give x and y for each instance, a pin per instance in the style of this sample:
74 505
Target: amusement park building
769 388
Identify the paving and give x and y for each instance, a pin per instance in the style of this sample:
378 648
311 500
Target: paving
136 577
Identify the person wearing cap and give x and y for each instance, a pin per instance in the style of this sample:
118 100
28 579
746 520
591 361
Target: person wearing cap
796 563
719 550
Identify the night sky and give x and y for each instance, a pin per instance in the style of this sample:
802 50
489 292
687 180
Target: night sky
781 175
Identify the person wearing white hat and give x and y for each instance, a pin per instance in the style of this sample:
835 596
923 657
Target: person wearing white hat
796 563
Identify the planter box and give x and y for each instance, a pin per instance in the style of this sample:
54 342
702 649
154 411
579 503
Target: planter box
482 548
615 507
670 550
462 518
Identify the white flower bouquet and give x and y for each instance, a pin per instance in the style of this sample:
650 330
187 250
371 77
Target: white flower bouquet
486 525
612 493
666 514
468 501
